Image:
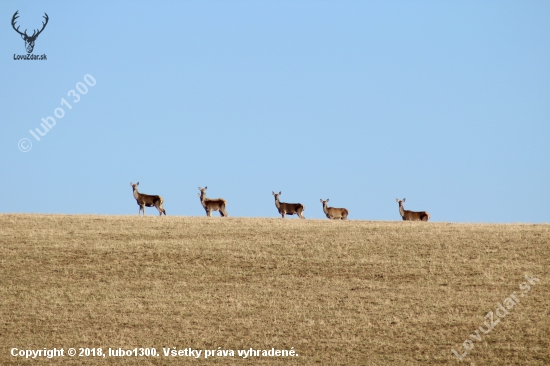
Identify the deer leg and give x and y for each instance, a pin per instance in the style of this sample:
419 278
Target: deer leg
161 210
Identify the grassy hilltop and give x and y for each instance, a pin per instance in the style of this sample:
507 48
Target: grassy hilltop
338 292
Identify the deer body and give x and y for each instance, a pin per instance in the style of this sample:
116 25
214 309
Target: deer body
412 215
145 200
288 208
334 213
212 204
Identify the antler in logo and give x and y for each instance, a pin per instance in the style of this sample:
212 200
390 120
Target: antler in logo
29 40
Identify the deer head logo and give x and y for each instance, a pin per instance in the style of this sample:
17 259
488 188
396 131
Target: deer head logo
29 40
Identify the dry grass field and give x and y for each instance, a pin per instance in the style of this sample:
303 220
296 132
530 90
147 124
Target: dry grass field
335 292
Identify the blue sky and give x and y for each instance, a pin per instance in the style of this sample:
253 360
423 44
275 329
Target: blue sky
444 103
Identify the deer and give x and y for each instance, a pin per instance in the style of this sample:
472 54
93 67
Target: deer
334 213
288 208
412 215
145 200
29 40
212 204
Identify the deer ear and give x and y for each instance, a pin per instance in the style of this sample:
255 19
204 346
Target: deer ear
327 199
131 184
404 199
137 184
321 200
205 187
279 192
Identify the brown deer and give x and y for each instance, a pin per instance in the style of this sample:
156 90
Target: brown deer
288 208
412 215
145 200
212 204
334 213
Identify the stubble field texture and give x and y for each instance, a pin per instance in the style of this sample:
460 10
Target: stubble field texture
336 292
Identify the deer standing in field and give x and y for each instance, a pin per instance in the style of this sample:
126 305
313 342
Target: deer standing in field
212 204
145 200
412 215
334 213
288 208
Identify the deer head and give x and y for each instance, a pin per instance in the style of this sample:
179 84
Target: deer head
203 191
29 40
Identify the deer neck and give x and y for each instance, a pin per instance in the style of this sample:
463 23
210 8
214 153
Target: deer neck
401 210
136 193
277 203
203 199
325 209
